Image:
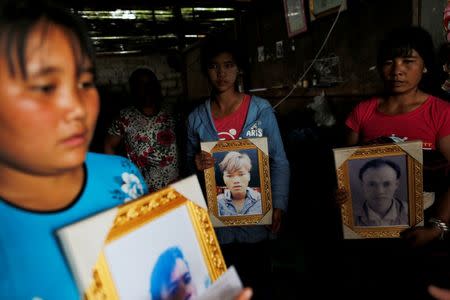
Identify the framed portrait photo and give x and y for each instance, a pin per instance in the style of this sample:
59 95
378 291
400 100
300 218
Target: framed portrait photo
321 8
384 185
238 186
294 12
145 248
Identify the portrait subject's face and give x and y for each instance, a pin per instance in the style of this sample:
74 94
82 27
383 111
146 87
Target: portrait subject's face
237 182
222 72
379 186
181 286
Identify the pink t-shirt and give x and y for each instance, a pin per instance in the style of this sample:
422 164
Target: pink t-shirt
230 127
428 123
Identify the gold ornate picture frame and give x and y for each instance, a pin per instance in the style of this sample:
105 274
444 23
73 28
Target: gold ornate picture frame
145 241
384 185
241 168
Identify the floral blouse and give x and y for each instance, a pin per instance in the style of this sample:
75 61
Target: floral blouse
150 143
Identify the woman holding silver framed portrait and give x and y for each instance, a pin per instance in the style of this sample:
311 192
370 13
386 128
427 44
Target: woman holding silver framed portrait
230 114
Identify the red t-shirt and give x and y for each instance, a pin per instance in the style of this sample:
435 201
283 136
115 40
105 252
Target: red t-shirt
230 127
428 123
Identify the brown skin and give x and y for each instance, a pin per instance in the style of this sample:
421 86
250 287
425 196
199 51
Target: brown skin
51 117
439 293
245 294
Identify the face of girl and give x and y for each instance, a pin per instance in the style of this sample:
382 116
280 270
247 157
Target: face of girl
403 74
48 118
222 72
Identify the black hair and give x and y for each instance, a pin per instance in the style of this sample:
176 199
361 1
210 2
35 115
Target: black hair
401 41
215 46
378 163
154 86
19 17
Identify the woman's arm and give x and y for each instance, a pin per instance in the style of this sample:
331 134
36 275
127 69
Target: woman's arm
351 137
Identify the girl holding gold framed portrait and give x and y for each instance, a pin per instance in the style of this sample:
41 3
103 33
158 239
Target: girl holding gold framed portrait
231 114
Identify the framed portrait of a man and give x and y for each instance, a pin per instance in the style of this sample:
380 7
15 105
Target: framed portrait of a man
160 246
238 186
384 189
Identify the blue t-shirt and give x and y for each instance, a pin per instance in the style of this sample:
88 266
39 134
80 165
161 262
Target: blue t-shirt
32 264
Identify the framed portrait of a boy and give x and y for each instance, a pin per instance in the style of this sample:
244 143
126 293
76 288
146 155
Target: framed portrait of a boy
383 186
238 186
146 248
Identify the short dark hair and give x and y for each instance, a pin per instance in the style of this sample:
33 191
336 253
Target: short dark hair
378 163
19 17
215 46
401 41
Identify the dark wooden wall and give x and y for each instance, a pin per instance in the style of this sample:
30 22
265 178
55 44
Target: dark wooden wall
354 41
